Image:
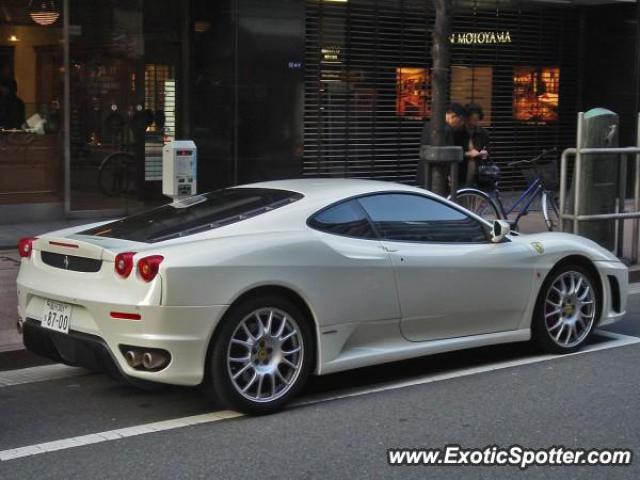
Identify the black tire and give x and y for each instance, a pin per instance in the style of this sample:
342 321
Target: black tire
479 203
540 324
218 384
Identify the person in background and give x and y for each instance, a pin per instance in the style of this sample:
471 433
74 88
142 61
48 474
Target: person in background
454 133
476 144
12 111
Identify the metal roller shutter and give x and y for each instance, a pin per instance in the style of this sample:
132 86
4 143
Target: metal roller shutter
358 52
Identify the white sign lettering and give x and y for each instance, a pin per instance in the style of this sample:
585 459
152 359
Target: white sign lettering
480 38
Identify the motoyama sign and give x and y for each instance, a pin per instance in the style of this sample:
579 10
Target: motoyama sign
480 38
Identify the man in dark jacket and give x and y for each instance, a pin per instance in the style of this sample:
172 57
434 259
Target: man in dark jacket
454 132
476 145
12 111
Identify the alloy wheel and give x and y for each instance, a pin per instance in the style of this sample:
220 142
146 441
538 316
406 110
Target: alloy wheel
570 309
265 355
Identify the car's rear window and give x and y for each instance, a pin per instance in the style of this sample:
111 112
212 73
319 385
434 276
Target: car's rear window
196 214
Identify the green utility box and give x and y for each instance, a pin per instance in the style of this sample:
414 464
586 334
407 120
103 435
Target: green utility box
599 177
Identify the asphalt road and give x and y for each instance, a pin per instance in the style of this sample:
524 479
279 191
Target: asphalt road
589 400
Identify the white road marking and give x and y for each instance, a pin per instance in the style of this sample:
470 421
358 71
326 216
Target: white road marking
39 374
115 434
617 340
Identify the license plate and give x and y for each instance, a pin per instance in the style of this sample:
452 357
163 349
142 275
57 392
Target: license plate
56 316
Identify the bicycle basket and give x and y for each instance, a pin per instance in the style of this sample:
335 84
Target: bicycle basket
488 175
546 172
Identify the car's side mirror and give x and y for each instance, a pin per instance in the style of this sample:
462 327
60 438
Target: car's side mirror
499 231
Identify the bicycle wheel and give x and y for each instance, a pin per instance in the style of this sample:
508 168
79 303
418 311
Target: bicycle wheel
550 210
114 173
479 203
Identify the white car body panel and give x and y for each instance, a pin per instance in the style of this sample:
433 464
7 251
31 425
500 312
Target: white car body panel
444 293
370 301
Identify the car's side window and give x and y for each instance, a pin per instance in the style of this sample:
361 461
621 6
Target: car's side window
346 219
417 218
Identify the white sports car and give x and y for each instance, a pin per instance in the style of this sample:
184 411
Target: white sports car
249 290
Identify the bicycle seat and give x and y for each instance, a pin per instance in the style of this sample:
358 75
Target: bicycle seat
488 176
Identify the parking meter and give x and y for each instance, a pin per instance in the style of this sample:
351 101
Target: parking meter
599 172
179 168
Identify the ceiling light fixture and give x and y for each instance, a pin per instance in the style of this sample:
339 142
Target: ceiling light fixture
44 12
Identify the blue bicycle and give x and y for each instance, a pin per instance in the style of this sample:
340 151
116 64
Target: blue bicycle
542 179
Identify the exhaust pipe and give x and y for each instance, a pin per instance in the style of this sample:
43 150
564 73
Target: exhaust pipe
133 358
153 360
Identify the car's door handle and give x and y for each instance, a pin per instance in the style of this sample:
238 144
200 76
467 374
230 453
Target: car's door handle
389 249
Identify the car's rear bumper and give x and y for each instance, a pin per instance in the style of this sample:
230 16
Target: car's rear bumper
74 348
183 332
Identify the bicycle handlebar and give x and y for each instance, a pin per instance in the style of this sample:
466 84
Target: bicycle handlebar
535 159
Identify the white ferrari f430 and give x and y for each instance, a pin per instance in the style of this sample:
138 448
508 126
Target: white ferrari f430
249 290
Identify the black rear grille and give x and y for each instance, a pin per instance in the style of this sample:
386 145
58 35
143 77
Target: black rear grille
71 262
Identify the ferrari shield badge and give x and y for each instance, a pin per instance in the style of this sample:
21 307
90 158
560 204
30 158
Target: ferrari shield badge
537 246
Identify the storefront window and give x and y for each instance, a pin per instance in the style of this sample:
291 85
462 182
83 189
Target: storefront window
473 85
31 100
536 94
414 95
124 57
468 85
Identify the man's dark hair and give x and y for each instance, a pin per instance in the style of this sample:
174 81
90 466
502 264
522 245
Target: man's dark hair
474 109
458 109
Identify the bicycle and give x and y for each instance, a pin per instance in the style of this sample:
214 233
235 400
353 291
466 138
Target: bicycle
117 174
542 181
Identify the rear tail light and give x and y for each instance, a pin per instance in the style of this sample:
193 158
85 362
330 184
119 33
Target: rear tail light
25 246
126 316
124 263
148 267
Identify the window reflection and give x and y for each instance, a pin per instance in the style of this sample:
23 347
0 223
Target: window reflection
123 72
413 89
536 94
31 100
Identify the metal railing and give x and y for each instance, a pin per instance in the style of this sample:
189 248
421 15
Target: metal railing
624 154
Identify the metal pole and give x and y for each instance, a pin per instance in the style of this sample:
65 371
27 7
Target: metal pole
622 191
184 101
427 175
236 87
578 170
454 181
636 200
66 106
563 186
608 216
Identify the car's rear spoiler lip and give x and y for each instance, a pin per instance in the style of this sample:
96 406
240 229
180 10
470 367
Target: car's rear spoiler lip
99 248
